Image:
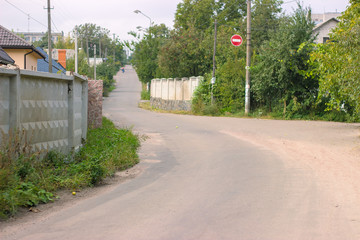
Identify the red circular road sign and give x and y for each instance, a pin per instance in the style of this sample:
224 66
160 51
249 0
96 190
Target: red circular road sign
236 40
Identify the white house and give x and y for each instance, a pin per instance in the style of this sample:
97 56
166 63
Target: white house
323 29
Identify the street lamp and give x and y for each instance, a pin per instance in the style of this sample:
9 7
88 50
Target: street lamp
138 11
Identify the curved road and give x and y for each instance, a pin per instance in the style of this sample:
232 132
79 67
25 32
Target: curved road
200 180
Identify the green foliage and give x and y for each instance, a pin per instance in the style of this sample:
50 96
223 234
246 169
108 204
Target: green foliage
145 56
145 94
278 74
202 97
83 67
43 42
190 50
265 19
65 43
229 90
183 55
26 179
337 64
104 71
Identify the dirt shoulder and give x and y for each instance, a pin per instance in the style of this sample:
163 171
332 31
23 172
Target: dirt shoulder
331 151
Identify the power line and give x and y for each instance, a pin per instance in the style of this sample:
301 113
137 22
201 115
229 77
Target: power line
27 14
55 25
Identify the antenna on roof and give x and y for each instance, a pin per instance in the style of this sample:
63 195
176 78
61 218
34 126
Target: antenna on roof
28 23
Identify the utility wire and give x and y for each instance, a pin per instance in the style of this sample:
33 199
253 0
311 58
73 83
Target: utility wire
28 15
55 25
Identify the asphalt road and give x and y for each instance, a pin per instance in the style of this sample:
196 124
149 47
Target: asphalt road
198 181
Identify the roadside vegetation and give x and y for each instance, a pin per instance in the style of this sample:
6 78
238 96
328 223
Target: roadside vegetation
292 77
28 178
145 94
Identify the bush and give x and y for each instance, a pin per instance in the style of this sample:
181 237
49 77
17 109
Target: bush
145 94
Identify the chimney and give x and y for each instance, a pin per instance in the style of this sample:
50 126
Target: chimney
62 57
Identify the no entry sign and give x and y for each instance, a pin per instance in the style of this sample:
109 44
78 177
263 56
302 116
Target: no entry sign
236 40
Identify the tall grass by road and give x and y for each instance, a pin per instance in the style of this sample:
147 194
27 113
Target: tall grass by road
27 179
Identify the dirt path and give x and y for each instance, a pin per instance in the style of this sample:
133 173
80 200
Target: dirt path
330 150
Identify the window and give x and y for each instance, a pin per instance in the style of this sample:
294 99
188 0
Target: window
33 39
325 39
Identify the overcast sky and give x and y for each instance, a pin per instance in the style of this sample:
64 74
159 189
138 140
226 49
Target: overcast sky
116 15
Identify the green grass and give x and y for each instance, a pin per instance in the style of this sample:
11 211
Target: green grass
26 179
333 116
145 94
147 106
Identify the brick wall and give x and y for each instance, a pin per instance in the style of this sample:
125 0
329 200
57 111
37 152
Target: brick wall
95 103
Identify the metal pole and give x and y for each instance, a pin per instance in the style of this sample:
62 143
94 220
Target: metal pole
94 61
49 36
76 50
214 66
248 58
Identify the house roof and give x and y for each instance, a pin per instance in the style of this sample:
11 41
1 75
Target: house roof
9 40
43 64
324 23
5 58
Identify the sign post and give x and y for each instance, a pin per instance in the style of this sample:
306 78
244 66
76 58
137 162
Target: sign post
236 40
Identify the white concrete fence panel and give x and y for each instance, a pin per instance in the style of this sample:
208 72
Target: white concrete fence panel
50 108
173 94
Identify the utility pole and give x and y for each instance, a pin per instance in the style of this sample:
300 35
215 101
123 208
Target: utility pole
49 36
87 43
100 47
248 59
94 61
115 46
214 66
76 50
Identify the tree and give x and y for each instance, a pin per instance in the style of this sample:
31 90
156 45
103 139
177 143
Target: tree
183 55
338 63
90 35
145 56
278 74
83 67
65 43
43 42
265 18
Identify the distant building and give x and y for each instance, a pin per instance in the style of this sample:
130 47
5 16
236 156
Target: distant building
23 53
322 30
70 53
31 37
325 22
323 17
